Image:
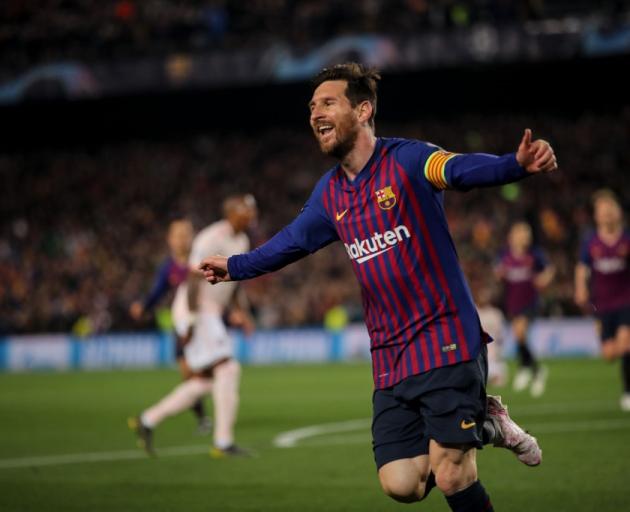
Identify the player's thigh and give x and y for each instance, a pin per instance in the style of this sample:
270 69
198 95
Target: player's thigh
520 324
397 429
405 479
454 465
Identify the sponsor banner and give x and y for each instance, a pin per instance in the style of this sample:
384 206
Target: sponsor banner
560 338
548 338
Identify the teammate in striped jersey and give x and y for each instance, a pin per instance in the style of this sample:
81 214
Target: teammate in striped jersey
524 272
602 281
384 201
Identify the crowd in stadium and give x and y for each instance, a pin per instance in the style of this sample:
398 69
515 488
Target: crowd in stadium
87 30
87 238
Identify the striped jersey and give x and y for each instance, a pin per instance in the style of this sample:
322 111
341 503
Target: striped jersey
610 271
519 272
418 307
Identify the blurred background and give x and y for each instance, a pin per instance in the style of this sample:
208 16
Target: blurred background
120 114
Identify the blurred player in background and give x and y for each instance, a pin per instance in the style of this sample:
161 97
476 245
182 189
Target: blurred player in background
208 348
602 282
384 200
172 273
524 271
493 322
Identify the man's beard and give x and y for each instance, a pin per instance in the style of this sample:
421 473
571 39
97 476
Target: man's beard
343 146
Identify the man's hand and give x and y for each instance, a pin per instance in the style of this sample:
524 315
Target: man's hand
535 156
214 269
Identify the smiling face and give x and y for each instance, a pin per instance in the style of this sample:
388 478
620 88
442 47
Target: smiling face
334 121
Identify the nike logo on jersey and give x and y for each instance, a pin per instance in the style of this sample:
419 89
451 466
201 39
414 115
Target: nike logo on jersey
341 214
466 425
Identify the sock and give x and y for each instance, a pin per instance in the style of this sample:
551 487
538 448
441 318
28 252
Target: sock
471 499
625 372
430 484
227 377
199 409
178 400
525 357
488 433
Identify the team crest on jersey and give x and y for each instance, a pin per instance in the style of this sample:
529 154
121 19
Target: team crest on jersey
386 198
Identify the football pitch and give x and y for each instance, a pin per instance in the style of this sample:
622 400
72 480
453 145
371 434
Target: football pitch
65 446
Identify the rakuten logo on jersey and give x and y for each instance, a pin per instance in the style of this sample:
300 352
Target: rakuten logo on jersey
364 250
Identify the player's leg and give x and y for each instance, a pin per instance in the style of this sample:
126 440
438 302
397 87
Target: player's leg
178 400
204 423
407 480
526 361
454 412
455 468
622 340
400 448
227 376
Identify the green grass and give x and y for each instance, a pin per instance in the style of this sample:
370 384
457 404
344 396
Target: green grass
586 442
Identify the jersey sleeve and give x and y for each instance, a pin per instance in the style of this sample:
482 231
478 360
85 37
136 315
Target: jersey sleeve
585 253
541 262
159 288
311 230
446 170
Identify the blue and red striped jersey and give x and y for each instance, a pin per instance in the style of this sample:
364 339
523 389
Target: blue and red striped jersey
170 275
610 271
418 307
519 273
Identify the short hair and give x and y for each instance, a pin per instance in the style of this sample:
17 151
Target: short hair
361 80
234 202
604 194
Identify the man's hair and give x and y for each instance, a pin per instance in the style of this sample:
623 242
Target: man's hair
604 194
361 80
236 201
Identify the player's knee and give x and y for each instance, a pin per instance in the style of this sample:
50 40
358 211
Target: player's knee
452 476
404 489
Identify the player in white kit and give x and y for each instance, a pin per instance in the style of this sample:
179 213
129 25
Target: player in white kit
198 312
493 322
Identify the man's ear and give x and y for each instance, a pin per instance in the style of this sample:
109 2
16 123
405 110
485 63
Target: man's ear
364 111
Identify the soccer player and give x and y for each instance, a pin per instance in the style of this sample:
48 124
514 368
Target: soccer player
493 321
605 262
171 273
524 271
208 349
383 200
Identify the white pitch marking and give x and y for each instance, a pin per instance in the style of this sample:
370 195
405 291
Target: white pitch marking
291 438
76 458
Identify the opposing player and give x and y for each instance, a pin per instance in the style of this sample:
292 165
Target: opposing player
384 202
208 349
524 271
605 265
171 273
493 322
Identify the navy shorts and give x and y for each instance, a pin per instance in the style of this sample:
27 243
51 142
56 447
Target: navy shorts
610 321
446 404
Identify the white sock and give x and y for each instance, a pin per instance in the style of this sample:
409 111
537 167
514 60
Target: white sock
178 400
227 377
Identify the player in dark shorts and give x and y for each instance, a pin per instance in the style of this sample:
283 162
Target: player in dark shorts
384 201
524 272
602 282
171 273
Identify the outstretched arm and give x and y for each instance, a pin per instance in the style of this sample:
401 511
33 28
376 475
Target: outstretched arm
467 171
310 231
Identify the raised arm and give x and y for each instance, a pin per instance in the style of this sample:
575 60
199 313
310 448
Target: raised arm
466 171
